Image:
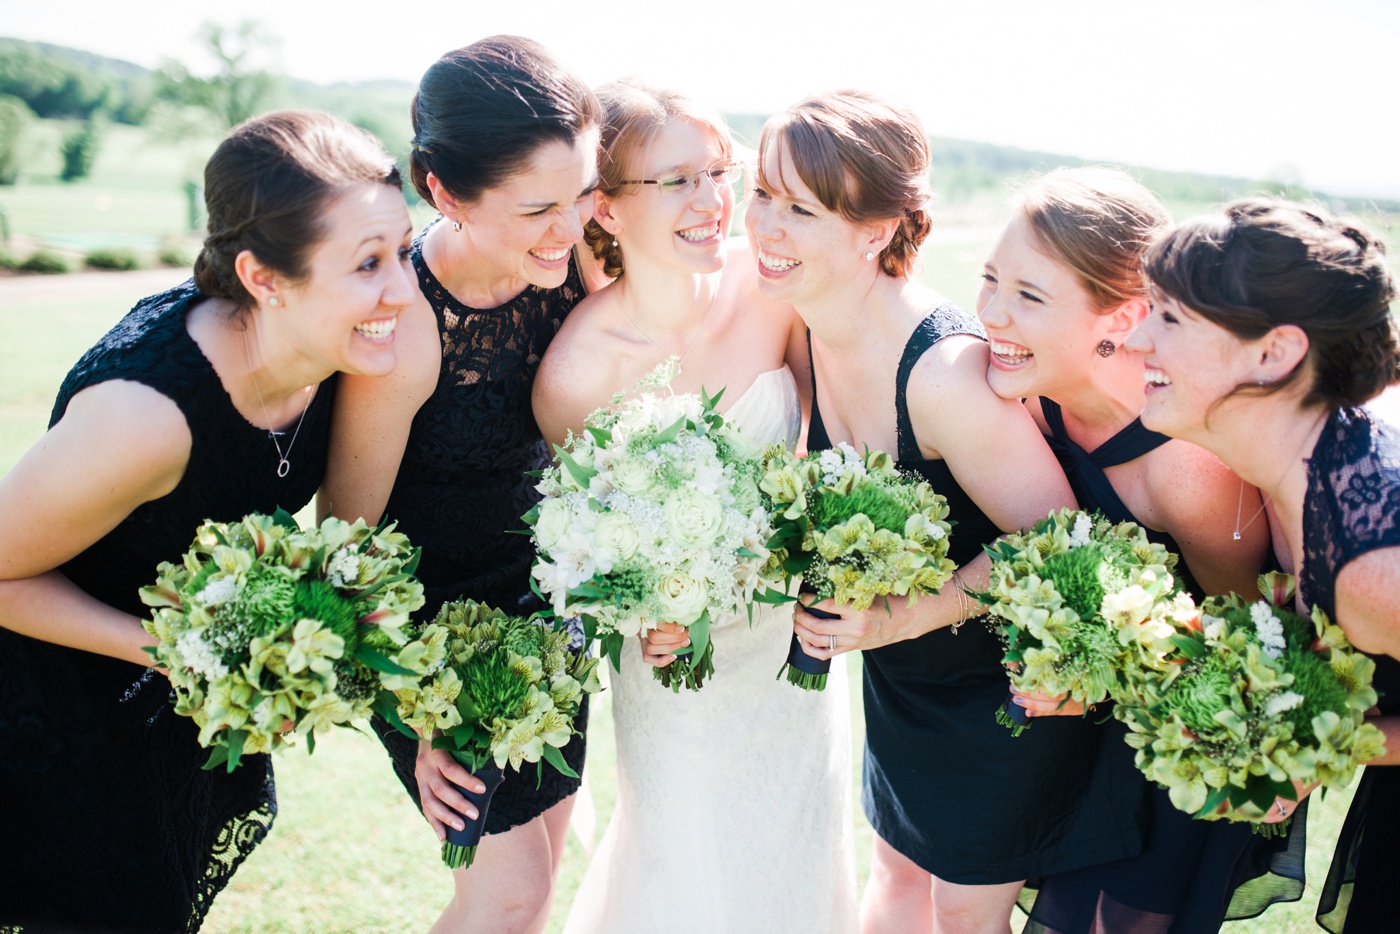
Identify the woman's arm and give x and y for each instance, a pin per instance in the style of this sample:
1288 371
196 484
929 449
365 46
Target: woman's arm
73 487
373 415
1367 595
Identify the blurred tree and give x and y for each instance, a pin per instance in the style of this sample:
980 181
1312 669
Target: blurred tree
238 89
15 117
79 150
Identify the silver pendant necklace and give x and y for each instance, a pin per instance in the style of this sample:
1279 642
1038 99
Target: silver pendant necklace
284 464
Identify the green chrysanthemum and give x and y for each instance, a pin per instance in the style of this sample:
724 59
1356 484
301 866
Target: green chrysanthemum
321 600
1076 577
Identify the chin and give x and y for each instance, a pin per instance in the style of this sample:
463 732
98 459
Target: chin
1007 386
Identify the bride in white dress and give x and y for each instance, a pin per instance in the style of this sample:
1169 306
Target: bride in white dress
734 801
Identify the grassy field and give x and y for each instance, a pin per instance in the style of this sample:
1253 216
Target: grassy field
348 852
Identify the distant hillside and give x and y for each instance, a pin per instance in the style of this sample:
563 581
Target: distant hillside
963 169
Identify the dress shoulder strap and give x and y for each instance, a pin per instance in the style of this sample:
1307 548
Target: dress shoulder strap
945 320
1085 469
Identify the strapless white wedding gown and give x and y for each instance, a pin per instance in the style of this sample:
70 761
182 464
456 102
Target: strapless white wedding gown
734 802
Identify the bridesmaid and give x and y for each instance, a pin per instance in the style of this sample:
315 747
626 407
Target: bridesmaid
505 143
1271 330
1061 291
963 811
662 213
209 401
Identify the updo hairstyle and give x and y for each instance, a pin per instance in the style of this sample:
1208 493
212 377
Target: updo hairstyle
267 188
1097 222
864 158
634 114
1269 262
481 112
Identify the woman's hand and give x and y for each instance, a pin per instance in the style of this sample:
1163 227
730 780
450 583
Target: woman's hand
1283 808
435 771
659 646
1037 704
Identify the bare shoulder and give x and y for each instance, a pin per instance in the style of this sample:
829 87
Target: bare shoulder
105 418
578 372
1189 486
1365 601
950 376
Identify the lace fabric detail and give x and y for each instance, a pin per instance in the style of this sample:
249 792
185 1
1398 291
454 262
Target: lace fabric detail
110 821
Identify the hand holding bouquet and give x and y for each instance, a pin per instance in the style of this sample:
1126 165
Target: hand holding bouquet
1261 698
264 623
855 528
506 691
653 515
1077 601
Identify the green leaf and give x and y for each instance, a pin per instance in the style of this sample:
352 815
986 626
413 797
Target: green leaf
699 632
285 519
1190 646
310 742
387 706
576 470
671 433
1216 799
217 757
612 648
411 565
555 757
373 658
236 739
772 597
601 436
746 553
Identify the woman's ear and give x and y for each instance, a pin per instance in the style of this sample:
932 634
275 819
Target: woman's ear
878 235
1280 351
447 205
602 213
259 281
1124 319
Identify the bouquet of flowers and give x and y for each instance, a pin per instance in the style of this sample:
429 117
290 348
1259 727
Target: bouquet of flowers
1262 698
264 623
1078 601
854 528
653 515
506 690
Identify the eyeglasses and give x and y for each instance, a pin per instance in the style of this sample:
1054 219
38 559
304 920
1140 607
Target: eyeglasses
720 175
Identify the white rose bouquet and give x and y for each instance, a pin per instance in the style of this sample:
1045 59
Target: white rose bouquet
653 515
1261 698
506 690
1078 602
265 624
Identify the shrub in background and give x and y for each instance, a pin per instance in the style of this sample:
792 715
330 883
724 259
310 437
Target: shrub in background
44 262
79 150
120 260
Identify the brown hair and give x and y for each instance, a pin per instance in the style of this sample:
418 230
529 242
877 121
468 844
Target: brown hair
1268 262
1098 222
267 188
864 158
482 111
633 115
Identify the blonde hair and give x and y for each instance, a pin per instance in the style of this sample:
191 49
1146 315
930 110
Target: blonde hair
864 158
1098 222
634 114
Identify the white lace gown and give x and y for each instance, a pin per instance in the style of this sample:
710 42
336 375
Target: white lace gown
734 802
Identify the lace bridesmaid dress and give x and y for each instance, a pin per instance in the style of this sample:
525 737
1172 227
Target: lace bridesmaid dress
944 783
1352 507
733 810
107 820
462 488
1184 880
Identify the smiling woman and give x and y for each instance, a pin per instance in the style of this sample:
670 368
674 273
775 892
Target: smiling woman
209 401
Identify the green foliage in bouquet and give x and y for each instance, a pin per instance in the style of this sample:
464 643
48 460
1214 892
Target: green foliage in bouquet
505 690
263 624
1261 698
1079 602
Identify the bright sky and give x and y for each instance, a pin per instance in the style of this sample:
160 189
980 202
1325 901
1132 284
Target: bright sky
1306 91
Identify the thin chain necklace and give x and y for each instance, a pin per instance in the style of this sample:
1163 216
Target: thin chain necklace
284 465
698 331
1239 531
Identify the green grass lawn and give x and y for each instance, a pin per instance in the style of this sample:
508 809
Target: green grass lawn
348 851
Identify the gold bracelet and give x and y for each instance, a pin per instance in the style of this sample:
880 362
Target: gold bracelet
962 603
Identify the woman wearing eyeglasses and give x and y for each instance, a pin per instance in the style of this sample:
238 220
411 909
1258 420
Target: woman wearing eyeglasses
733 801
505 142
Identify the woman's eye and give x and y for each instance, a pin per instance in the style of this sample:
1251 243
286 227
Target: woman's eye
405 253
989 279
1032 298
1168 317
540 213
801 211
370 265
760 195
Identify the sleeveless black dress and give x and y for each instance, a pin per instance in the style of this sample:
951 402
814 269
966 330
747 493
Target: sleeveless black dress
1352 507
1184 880
943 782
462 489
107 820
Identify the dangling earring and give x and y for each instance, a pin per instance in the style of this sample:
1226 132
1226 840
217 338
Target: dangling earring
614 244
1106 348
869 256
456 226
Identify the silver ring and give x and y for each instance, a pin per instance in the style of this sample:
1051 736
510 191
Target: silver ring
1282 811
831 642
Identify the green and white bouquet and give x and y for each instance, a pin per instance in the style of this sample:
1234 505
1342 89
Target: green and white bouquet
506 690
855 528
1262 698
1078 601
653 515
264 624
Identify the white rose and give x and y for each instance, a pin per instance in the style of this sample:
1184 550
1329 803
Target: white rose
633 477
694 519
682 598
616 536
552 523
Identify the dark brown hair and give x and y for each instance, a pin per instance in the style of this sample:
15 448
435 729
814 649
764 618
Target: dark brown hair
864 158
633 114
267 188
481 112
1268 262
1098 222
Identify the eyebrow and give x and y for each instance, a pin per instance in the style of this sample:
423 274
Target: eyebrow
371 238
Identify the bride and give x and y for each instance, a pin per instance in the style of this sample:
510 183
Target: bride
733 801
